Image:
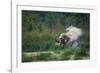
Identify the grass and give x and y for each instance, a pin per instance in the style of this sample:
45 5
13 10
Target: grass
64 54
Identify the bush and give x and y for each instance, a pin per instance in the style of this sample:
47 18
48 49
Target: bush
37 42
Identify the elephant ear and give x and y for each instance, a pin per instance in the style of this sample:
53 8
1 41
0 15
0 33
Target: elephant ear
66 39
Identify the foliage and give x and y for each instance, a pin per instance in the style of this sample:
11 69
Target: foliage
39 29
65 54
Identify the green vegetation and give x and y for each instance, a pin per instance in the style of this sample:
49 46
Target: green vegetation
66 54
39 30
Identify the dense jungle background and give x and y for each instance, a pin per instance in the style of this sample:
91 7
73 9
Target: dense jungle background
39 30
